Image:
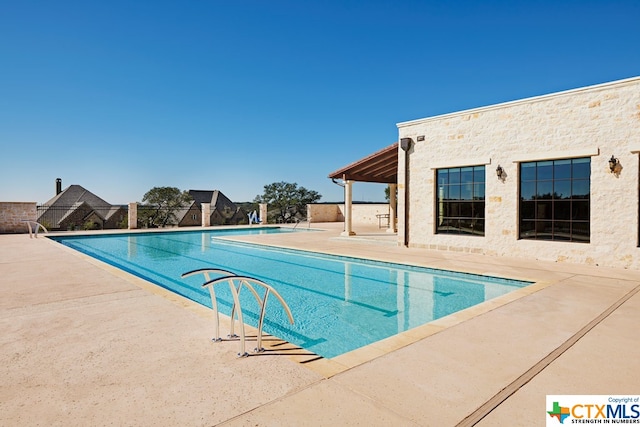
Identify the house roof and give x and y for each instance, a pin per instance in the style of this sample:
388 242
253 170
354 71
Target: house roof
181 212
381 166
70 199
219 202
201 196
76 193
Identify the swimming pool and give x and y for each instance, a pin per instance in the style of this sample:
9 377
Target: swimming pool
339 303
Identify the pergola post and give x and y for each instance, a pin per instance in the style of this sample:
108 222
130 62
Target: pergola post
392 208
348 230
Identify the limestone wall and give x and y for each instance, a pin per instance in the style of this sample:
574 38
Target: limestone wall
363 214
595 122
325 213
13 213
366 213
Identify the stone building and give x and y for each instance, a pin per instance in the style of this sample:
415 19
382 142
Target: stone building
553 177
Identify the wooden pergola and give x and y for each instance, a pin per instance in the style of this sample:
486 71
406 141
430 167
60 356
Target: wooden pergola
380 167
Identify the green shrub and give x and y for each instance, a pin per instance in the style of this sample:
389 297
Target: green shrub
90 225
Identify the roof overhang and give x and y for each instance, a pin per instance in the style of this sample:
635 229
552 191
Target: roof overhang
381 166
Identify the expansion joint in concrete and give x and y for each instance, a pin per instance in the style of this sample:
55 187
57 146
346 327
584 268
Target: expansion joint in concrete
491 404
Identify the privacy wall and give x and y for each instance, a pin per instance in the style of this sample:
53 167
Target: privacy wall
13 214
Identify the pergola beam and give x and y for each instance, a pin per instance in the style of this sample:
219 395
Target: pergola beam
379 167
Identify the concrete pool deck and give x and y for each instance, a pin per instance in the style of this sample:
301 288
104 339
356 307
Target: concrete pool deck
86 344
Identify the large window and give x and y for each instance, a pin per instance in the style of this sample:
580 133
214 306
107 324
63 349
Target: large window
554 200
460 200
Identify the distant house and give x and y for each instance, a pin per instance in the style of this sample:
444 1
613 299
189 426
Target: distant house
190 215
77 208
223 210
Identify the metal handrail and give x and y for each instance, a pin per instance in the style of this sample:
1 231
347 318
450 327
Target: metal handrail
298 221
246 281
37 226
214 304
236 283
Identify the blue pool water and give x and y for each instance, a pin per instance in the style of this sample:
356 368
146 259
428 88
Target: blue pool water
338 303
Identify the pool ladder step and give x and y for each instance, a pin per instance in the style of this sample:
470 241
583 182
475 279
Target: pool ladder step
236 284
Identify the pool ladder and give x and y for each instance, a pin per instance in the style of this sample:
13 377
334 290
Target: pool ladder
33 227
236 284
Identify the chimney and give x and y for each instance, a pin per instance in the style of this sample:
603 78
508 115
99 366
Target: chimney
58 186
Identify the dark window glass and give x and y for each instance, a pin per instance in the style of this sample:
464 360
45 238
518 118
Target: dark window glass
562 210
562 230
528 171
443 192
478 210
581 168
580 189
454 176
466 210
580 231
562 169
555 200
562 189
528 190
528 228
528 210
466 175
544 209
545 170
478 191
460 200
466 191
544 230
545 190
454 192
443 178
580 211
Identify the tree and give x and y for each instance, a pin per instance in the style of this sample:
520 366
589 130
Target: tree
163 202
387 193
288 199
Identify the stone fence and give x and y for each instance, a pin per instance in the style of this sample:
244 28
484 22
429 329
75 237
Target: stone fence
13 214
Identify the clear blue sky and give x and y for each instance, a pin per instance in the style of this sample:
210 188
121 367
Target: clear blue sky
123 96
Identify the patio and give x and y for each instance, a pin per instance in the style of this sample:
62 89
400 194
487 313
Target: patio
86 344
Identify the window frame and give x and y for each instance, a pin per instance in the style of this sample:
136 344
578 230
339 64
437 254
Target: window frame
545 211
460 194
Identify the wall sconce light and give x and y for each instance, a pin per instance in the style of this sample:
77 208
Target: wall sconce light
500 172
613 164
